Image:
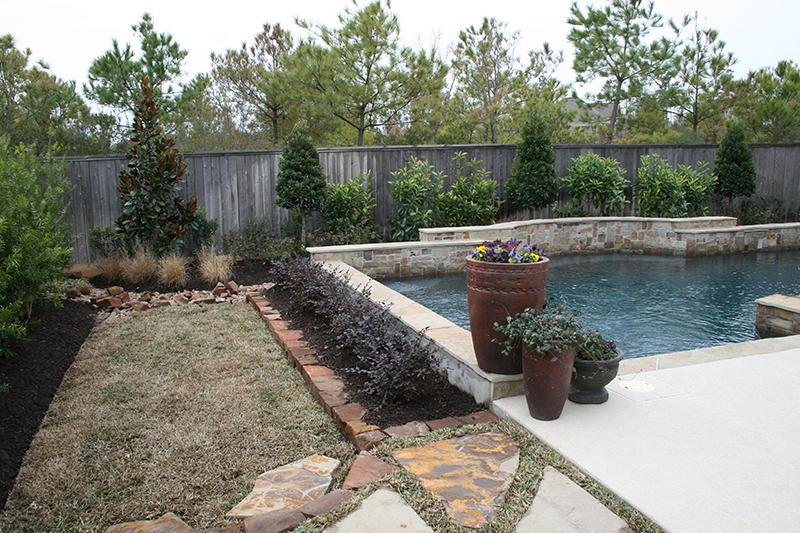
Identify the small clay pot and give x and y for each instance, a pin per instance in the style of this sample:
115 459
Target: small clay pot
546 381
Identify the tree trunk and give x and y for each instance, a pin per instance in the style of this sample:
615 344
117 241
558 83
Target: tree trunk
612 124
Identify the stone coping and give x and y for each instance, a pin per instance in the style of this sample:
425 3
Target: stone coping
388 247
707 355
743 229
717 222
787 303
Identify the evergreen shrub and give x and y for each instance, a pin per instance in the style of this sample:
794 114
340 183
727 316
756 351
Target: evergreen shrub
153 214
35 236
734 166
532 182
472 200
598 180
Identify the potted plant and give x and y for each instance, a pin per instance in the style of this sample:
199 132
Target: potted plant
503 279
548 339
596 364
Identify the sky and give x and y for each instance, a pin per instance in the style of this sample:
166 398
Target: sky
69 35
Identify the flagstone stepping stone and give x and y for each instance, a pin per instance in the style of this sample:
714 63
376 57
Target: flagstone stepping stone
326 503
169 523
383 511
366 469
412 429
561 506
288 487
471 474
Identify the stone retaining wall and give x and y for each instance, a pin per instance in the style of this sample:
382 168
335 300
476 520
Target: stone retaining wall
441 250
778 315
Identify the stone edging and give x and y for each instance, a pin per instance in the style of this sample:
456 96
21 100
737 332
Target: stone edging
329 390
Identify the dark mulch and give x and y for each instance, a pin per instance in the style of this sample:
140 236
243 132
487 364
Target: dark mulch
34 374
37 367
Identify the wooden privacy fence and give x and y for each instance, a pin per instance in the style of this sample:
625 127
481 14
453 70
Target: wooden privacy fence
234 187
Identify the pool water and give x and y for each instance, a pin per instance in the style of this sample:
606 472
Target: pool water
647 304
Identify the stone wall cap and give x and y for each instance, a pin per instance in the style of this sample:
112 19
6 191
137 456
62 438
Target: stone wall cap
787 303
406 245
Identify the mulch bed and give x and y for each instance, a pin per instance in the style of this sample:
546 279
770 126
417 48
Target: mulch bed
37 367
34 374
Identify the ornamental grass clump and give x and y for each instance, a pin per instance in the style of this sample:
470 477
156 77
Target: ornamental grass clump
114 267
172 271
141 267
511 251
214 268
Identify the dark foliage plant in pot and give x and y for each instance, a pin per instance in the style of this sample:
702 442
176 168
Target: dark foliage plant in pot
548 338
596 364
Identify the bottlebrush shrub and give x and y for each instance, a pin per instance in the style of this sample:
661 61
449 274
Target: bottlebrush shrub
397 367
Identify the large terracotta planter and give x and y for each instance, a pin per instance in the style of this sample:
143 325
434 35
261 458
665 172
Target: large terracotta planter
590 379
546 381
494 292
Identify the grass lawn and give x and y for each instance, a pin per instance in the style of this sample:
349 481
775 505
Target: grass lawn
172 410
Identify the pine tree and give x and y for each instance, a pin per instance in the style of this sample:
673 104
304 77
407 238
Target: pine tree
301 180
734 166
532 182
152 212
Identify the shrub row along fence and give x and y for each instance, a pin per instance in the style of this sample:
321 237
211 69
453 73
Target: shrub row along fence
234 187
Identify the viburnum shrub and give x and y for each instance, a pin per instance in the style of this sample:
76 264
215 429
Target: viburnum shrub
472 200
348 211
415 192
600 181
661 191
396 367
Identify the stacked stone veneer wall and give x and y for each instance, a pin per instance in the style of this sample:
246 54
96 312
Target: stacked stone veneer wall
778 315
441 250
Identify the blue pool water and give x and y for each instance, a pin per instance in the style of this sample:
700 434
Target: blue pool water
648 304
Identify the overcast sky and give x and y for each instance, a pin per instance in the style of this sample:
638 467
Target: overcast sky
69 35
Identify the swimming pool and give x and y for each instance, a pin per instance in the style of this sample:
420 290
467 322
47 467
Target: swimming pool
648 304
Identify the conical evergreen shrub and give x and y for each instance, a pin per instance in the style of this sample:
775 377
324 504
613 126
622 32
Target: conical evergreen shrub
734 166
301 181
532 183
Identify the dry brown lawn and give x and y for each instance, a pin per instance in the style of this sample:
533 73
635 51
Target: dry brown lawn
171 410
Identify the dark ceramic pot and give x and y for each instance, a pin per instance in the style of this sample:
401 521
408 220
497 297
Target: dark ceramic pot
546 381
494 292
590 379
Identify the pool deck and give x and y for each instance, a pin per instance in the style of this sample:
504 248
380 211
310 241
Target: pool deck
705 440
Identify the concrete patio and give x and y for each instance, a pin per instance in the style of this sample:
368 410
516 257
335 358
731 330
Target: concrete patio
698 441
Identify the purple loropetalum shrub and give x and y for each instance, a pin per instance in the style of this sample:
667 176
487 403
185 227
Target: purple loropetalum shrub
396 366
510 251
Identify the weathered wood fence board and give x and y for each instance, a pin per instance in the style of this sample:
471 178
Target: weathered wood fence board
234 187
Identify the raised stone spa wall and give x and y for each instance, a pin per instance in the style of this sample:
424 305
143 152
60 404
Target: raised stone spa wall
442 250
778 315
